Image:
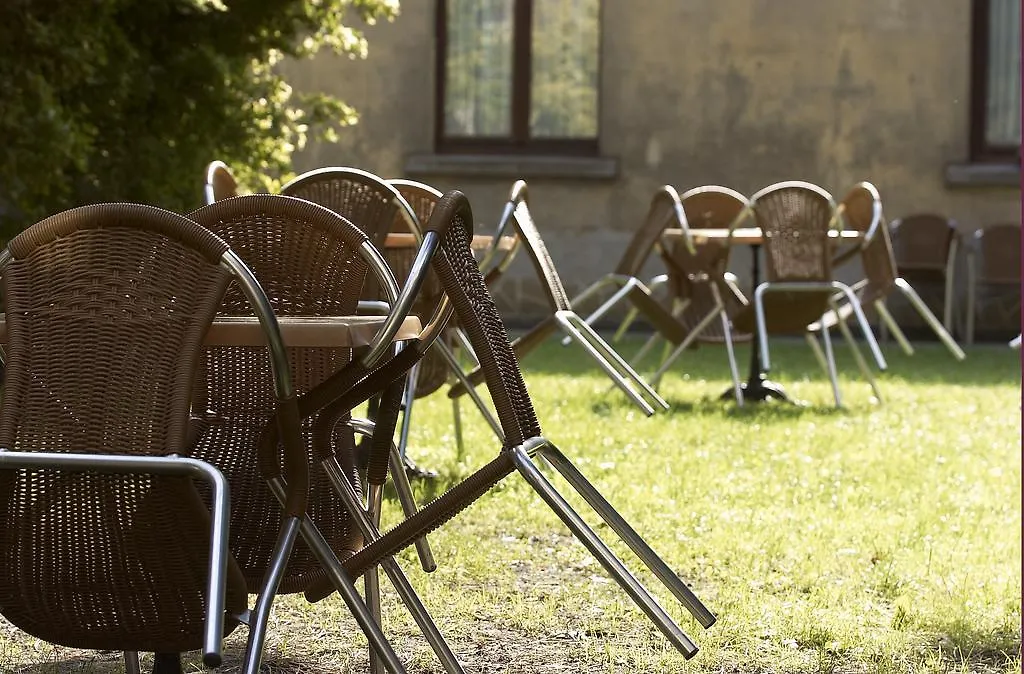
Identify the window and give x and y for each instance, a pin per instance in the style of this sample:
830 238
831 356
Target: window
518 76
995 108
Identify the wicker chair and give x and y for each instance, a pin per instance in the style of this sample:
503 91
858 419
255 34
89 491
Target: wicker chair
105 539
795 218
861 208
664 211
220 184
522 441
993 260
925 247
562 317
703 293
312 263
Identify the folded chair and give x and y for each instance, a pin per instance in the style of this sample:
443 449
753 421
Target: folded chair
925 247
665 211
220 184
703 293
861 208
521 442
562 317
993 260
105 540
795 218
312 263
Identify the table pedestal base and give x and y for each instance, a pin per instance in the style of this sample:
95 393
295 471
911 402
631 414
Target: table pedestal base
758 389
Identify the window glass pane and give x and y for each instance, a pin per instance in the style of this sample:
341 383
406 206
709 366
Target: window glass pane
478 68
1002 123
563 86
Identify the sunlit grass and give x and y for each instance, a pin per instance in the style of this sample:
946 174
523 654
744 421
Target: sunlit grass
879 538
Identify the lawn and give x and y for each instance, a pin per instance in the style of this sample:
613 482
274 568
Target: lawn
881 538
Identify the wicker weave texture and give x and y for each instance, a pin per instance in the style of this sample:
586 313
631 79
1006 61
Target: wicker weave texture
794 221
106 309
921 243
306 260
999 254
861 206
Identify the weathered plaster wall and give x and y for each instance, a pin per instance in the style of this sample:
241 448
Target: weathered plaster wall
737 92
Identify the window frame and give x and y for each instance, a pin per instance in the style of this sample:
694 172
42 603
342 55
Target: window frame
519 141
980 149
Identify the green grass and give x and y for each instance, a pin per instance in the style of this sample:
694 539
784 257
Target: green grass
880 538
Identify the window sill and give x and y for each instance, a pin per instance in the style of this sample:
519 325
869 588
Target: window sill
983 175
512 166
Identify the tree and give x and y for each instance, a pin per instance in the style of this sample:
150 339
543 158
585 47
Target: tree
128 100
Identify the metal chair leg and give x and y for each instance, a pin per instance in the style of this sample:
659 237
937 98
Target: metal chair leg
812 342
405 496
613 365
636 591
456 369
408 398
930 318
731 355
260 614
831 366
890 322
683 345
343 584
862 320
394 572
560 462
861 363
762 330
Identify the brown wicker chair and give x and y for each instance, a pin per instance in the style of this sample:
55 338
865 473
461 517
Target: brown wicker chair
703 293
563 318
105 538
795 218
925 247
220 184
664 211
312 263
993 260
861 208
522 441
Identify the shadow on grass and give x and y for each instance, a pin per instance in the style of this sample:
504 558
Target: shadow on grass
963 645
792 360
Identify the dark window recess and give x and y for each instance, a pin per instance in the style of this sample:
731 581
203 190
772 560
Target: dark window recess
995 81
518 76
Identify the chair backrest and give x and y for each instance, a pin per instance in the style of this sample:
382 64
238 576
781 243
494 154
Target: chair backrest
310 262
220 183
107 306
795 218
861 209
364 199
477 314
662 213
998 254
551 283
923 241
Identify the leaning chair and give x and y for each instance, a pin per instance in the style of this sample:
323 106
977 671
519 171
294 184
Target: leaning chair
665 211
106 540
562 317
703 293
522 443
862 210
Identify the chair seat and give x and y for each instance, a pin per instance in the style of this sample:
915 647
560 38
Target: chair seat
786 313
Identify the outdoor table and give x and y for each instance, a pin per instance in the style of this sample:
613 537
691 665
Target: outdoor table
296 331
757 387
480 241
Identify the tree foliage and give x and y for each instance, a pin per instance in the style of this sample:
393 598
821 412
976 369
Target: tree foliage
128 100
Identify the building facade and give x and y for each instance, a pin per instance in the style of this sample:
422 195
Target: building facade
596 103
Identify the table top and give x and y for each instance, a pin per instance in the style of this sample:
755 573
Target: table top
480 241
748 235
296 331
